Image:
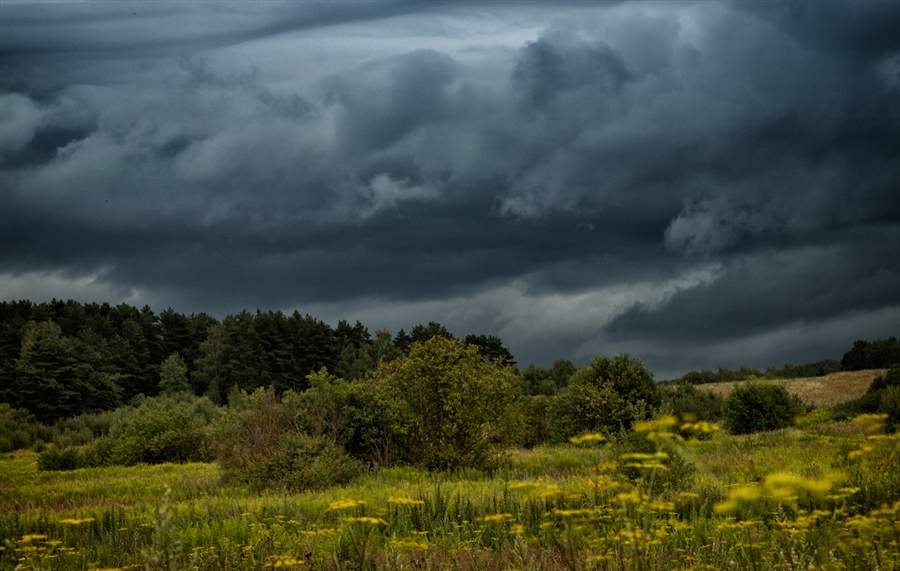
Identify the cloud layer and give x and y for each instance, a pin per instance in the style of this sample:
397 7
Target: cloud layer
681 181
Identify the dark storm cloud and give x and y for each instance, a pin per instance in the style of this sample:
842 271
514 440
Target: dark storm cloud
580 178
764 290
169 26
865 29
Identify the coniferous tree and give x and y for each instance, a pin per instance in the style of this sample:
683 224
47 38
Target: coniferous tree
134 359
209 375
422 333
246 363
175 332
491 348
402 341
271 327
314 346
53 381
153 335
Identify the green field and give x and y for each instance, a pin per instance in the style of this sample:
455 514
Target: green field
825 496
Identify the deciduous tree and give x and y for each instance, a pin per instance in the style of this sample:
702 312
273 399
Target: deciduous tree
448 402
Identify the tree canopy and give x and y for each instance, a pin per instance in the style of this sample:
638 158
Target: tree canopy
448 401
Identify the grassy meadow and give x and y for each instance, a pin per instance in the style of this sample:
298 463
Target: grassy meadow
828 390
822 495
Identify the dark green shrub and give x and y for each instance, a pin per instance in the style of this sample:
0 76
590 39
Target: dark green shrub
346 412
252 428
303 462
880 397
890 405
74 457
83 428
19 429
756 407
885 381
582 408
686 399
448 406
161 429
55 458
610 393
264 444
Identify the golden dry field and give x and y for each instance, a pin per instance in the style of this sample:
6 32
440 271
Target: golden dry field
830 390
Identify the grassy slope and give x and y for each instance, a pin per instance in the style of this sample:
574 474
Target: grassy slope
829 390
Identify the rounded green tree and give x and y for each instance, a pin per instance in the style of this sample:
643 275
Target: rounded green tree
604 395
756 407
447 404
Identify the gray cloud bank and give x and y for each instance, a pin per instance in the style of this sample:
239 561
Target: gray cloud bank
695 183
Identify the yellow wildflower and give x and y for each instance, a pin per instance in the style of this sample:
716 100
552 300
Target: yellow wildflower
345 504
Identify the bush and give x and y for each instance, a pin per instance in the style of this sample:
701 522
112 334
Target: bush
447 405
890 405
880 397
584 407
303 462
885 381
55 458
345 412
19 429
609 393
756 407
161 429
687 399
264 445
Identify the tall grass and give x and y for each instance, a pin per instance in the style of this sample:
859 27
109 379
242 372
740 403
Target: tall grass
817 497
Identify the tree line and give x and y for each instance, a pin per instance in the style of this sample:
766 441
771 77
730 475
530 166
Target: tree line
64 358
878 354
289 401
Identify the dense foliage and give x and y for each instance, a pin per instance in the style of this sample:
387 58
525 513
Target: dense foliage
62 359
759 406
687 399
882 396
263 442
310 406
170 428
19 429
879 354
787 371
447 404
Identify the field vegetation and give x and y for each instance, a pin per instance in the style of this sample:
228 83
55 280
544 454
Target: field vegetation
130 440
672 493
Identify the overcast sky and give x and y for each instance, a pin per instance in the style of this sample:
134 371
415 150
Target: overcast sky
694 183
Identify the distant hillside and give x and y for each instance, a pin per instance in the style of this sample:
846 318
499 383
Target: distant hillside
829 390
